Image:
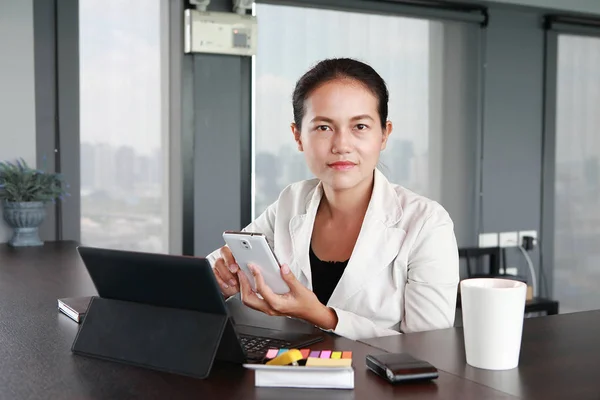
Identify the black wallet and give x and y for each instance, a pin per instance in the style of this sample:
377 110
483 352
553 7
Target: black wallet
400 367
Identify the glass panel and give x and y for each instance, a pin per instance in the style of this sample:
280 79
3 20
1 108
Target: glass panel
121 152
429 150
577 205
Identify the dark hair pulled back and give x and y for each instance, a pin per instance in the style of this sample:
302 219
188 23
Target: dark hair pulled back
340 68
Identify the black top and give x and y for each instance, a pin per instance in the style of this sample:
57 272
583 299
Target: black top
325 276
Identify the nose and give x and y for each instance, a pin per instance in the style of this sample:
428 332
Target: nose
342 142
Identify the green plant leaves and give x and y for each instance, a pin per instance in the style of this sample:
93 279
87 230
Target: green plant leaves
20 183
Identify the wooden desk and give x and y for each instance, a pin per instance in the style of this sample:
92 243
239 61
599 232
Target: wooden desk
560 357
36 359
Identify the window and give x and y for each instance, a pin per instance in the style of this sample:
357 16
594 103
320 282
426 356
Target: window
432 149
577 184
122 162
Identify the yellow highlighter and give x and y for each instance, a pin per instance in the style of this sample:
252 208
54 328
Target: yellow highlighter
289 357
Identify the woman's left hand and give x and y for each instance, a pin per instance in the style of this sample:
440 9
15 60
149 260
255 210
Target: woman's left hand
299 302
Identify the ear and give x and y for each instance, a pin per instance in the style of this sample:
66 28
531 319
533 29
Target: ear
297 136
386 134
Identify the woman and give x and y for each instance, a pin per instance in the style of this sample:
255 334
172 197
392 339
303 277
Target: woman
362 257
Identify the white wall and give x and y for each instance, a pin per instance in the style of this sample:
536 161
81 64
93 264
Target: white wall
17 86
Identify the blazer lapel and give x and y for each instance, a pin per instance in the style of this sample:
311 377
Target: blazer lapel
301 227
375 249
378 242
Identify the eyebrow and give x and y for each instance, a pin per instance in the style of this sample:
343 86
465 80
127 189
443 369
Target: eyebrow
364 116
356 118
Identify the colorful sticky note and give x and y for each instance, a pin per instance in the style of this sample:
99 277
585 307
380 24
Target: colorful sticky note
328 362
325 354
305 353
315 353
272 353
281 351
336 354
347 354
286 358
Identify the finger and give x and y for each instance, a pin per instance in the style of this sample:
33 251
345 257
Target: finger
250 298
273 300
227 277
244 282
225 288
262 288
230 262
288 277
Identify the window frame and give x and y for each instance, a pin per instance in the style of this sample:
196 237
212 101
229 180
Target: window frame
555 26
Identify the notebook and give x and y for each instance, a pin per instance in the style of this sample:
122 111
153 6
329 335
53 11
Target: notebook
318 369
74 307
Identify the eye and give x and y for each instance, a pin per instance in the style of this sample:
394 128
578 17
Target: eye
361 127
323 128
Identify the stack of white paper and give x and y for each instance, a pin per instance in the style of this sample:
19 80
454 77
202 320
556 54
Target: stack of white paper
303 377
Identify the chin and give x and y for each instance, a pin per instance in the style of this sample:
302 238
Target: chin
342 181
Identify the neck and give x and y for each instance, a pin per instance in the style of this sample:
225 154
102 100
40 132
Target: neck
347 204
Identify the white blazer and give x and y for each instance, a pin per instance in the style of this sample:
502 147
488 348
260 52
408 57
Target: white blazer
403 272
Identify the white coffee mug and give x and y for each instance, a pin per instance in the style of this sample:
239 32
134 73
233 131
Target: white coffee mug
493 311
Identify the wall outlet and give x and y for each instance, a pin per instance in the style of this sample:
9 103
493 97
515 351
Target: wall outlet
509 239
488 240
533 234
512 271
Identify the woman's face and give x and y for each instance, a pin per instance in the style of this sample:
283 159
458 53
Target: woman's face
341 134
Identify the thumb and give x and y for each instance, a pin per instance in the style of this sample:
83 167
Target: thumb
288 276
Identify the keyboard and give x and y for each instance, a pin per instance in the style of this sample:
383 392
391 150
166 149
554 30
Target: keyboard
256 346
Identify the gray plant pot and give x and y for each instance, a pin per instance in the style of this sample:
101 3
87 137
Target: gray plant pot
25 219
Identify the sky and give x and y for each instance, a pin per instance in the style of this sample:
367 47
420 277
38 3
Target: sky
120 73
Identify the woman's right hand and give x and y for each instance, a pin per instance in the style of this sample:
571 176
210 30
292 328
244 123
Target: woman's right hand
225 270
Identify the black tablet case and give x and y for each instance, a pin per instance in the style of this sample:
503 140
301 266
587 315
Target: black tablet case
161 338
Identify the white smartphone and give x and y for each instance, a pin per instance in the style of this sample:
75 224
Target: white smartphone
253 248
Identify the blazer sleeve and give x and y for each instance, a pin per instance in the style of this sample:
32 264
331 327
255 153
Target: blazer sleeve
355 327
264 223
433 276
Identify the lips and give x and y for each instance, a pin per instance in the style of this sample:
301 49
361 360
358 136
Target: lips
342 165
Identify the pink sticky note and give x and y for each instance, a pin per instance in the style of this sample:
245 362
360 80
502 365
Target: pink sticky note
326 354
272 353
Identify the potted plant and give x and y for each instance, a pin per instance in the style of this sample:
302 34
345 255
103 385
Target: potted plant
24 193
